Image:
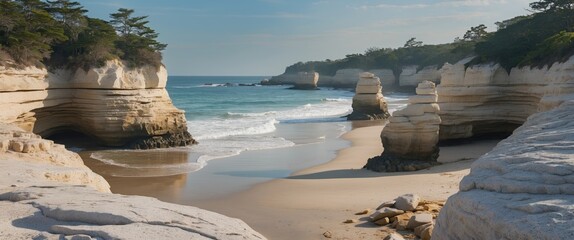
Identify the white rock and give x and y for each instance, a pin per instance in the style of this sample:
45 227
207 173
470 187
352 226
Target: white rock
522 189
407 202
394 236
385 212
419 220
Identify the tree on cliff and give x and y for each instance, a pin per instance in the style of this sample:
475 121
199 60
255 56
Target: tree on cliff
27 30
475 33
137 42
413 43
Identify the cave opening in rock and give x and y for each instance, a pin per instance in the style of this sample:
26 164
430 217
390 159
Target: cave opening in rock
72 138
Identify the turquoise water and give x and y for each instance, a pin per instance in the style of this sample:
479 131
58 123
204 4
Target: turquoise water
232 115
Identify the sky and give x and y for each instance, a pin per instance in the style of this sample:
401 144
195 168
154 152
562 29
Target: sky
262 37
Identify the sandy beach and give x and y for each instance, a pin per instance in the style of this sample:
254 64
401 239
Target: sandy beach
318 199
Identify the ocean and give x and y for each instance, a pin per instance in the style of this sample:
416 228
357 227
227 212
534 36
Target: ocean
246 132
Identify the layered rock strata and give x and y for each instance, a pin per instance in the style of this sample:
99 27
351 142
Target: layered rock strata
115 105
485 99
306 81
412 76
46 192
523 189
368 102
410 138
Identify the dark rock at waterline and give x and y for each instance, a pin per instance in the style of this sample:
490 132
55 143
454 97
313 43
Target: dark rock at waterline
178 139
389 162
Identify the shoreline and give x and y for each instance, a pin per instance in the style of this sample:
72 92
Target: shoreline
319 198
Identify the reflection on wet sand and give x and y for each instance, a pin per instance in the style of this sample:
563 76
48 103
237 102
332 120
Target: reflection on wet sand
162 173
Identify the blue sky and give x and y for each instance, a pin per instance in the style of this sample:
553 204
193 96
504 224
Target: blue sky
262 37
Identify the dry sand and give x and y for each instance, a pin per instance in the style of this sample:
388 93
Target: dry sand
319 199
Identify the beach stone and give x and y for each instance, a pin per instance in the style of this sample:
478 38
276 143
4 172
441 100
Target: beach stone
389 204
383 221
419 230
327 234
405 217
394 236
407 202
401 225
351 221
427 233
385 212
366 211
419 219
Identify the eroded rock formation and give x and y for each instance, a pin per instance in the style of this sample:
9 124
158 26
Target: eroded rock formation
113 104
485 99
410 138
306 81
368 102
523 189
46 192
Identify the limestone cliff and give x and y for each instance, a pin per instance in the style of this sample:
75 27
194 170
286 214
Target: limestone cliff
343 78
486 99
46 192
523 189
412 75
115 105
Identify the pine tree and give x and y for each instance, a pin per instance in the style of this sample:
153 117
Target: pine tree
137 42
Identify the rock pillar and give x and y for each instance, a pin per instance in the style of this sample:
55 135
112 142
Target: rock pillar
368 103
411 137
306 81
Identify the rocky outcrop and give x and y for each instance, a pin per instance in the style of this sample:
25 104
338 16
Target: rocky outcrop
368 102
410 138
306 81
523 189
343 78
412 76
485 99
46 192
115 105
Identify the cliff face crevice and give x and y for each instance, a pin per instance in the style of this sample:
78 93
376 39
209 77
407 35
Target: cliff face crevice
114 105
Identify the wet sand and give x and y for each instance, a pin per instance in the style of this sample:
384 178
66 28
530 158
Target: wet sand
320 198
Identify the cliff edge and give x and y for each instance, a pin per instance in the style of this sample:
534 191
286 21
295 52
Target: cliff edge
113 104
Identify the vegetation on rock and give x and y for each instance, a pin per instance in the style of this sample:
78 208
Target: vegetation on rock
59 34
541 38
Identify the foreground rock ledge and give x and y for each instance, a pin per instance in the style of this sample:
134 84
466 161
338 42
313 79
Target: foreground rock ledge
46 192
523 189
